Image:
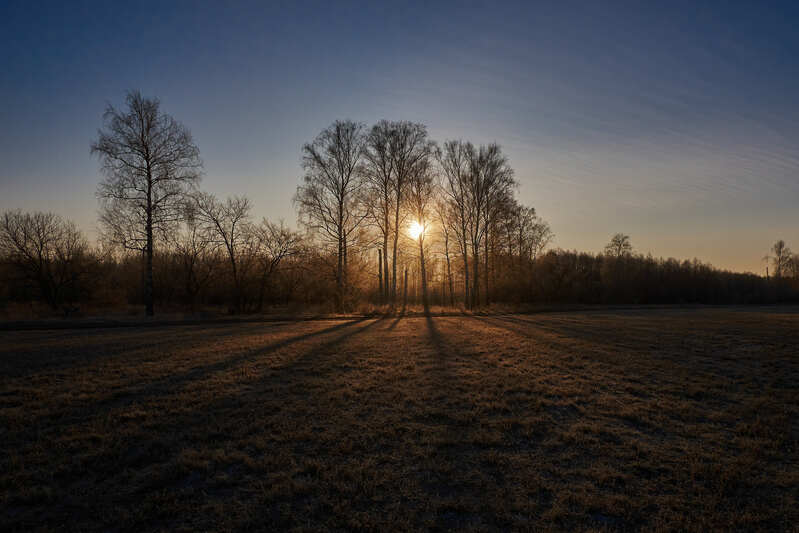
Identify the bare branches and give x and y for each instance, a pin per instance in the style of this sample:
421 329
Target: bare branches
781 259
150 162
328 199
228 224
46 251
619 246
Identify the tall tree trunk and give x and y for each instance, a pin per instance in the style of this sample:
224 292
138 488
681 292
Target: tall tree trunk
485 259
385 250
394 258
466 287
475 274
344 273
148 272
339 278
425 300
405 291
380 273
449 272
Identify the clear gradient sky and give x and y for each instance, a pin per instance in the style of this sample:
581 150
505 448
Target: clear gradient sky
678 124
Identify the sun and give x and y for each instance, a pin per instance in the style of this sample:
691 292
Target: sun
415 230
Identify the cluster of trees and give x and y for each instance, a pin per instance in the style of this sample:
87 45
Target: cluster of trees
390 217
218 257
390 191
620 276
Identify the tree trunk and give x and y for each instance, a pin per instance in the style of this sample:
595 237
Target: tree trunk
466 288
425 300
405 291
344 272
449 279
485 250
385 251
148 272
475 274
380 274
394 259
339 278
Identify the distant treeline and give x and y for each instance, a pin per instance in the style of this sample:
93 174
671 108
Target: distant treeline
46 260
387 218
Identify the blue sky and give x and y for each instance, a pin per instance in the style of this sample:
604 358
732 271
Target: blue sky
676 124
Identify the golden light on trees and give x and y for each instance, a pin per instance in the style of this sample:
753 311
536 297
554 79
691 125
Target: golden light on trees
415 230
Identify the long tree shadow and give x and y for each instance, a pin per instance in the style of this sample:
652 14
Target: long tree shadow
529 330
168 384
454 430
323 355
87 347
291 374
394 323
594 331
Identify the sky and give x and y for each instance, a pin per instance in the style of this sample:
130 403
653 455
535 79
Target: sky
676 123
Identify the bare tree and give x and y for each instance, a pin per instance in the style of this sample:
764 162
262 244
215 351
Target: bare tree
276 242
619 246
229 222
499 205
195 247
45 250
445 221
489 176
421 189
781 259
540 237
150 162
454 162
380 182
408 146
328 198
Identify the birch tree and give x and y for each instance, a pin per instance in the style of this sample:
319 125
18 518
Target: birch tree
150 163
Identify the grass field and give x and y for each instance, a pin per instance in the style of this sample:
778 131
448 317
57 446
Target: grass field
603 420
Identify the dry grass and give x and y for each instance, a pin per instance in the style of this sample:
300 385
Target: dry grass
651 420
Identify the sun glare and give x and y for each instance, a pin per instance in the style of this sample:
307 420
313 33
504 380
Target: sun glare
415 229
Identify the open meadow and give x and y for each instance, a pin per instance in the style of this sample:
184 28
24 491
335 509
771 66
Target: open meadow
670 419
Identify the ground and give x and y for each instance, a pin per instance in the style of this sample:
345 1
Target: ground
604 420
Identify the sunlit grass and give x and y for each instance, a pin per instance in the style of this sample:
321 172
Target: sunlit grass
656 420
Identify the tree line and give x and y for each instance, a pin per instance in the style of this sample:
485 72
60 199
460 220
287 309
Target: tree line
387 217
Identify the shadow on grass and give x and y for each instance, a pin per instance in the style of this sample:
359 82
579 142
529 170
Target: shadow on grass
169 384
453 440
324 354
313 364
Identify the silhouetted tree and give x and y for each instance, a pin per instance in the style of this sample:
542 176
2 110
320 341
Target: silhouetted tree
275 243
619 246
381 184
780 258
420 198
445 217
195 246
540 236
47 251
150 162
453 159
489 176
408 146
229 223
328 198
